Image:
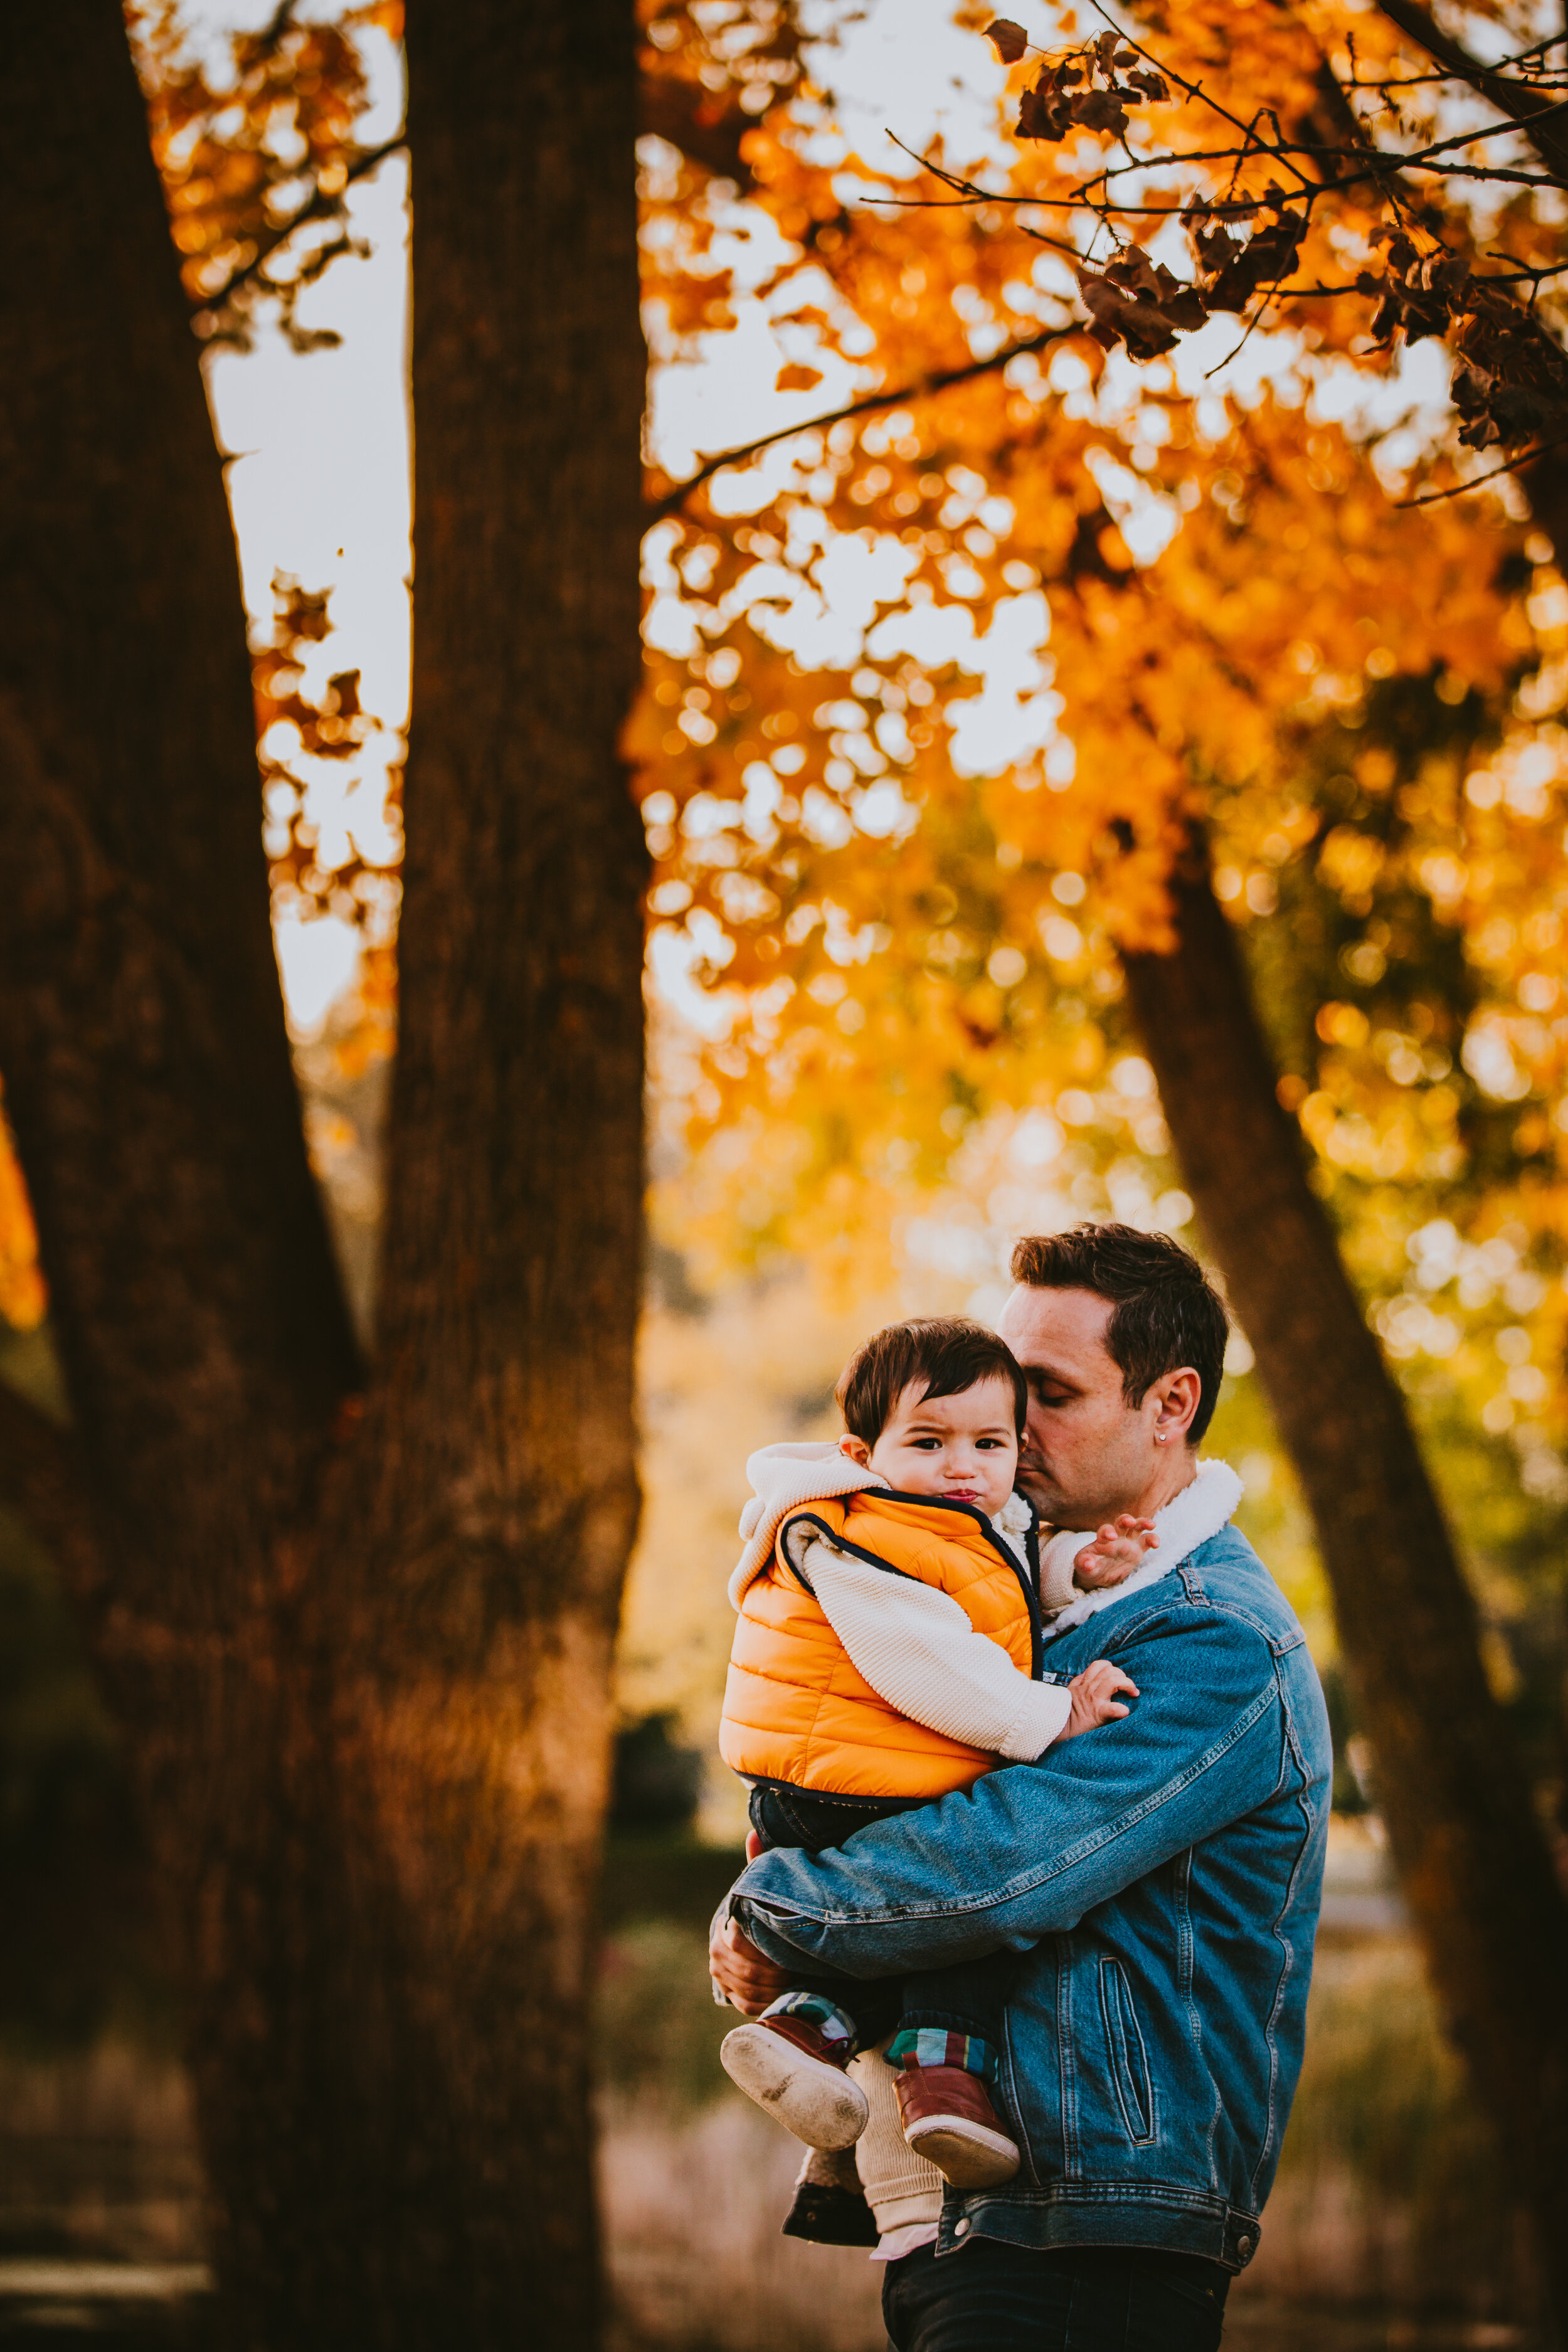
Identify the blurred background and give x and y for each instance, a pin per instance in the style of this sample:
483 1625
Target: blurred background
1384 777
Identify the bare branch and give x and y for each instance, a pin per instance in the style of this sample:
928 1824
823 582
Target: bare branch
1193 89
1436 498
1512 383
669 108
1509 98
920 389
321 206
1376 164
282 19
1383 83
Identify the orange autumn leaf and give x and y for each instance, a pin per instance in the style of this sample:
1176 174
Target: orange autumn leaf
23 1296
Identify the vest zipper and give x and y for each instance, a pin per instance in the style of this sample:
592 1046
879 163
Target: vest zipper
1028 1578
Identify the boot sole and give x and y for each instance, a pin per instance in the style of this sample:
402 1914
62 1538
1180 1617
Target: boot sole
816 2102
966 2155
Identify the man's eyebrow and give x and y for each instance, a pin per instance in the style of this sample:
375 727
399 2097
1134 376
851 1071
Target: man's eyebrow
1037 1374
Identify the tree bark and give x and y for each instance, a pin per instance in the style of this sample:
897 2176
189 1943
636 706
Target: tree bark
1472 1856
501 1419
357 1629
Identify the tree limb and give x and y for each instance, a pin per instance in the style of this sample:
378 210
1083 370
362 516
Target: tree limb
1457 490
668 107
919 390
321 206
1510 98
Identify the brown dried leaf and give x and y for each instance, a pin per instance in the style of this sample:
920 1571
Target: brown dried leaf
1100 109
1140 304
1045 111
1011 39
1231 275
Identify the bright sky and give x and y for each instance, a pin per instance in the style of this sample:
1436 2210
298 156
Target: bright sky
320 489
319 484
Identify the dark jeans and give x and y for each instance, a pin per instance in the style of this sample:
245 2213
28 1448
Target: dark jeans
997 2298
969 1998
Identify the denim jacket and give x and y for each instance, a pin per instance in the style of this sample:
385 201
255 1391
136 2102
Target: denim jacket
1161 1878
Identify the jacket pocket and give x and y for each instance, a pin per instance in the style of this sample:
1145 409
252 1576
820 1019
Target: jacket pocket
1128 2059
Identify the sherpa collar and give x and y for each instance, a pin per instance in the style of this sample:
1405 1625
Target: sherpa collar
1188 1520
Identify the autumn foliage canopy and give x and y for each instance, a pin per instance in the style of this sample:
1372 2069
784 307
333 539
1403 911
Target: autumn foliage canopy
935 689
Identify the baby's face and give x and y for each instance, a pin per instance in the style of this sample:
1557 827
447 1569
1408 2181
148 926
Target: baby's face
963 1447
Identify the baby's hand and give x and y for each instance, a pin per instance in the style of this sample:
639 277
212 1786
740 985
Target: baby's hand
1093 1698
1115 1552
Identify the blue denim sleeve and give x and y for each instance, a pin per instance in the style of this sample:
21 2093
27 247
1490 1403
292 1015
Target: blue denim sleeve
1030 1848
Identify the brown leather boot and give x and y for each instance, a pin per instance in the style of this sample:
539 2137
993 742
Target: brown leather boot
949 2119
790 2067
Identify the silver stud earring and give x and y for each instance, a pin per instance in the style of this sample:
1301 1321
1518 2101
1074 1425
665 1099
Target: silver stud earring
1159 1439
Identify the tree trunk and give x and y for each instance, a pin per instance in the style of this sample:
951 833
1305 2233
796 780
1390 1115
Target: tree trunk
358 1633
505 1499
1470 1853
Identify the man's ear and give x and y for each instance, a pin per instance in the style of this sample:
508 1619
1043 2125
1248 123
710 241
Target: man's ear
856 1449
1177 1396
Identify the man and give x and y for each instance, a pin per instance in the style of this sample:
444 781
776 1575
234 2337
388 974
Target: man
1159 1880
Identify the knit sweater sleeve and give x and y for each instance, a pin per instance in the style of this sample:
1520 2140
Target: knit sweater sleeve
1058 1558
918 1650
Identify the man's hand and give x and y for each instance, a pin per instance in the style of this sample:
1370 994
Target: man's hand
1118 1548
747 1980
1093 1699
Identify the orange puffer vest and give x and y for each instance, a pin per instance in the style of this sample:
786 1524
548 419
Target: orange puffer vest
797 1711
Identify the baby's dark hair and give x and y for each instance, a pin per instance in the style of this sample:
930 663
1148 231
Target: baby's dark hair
945 1352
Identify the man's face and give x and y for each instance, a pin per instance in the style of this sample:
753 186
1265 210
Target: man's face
1087 1454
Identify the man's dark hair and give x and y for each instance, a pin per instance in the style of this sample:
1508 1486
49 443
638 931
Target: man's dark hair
1166 1312
945 1352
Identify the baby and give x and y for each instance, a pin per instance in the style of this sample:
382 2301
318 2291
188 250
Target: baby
891 1596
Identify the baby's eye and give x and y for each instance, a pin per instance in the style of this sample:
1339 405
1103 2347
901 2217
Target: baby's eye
925 1444
996 1444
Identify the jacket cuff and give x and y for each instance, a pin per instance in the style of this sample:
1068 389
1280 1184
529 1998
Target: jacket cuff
1042 1718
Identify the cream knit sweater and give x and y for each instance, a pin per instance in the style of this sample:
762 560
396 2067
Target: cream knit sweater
917 1648
914 1644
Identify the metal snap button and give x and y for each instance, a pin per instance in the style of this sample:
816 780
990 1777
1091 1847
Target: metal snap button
959 2229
